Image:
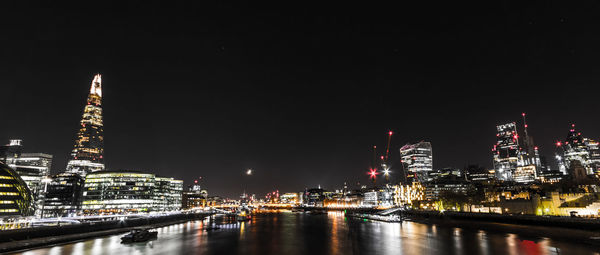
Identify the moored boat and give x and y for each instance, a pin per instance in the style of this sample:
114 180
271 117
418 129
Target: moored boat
139 235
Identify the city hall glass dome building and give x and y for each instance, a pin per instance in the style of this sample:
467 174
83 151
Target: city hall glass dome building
15 197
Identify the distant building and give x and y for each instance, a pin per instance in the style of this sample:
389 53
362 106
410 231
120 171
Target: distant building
478 174
15 197
578 148
193 199
11 150
433 190
417 161
88 152
506 151
314 197
62 195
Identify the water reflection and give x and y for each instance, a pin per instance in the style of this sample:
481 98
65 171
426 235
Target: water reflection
297 233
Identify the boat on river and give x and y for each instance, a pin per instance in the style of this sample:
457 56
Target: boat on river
242 216
139 235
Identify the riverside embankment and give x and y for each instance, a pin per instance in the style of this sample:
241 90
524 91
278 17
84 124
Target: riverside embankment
21 239
532 220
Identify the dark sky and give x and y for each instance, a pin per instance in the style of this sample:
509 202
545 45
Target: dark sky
300 92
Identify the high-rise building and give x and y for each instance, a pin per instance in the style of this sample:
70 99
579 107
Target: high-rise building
417 161
578 148
88 152
506 151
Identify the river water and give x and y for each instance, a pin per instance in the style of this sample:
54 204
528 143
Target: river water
292 233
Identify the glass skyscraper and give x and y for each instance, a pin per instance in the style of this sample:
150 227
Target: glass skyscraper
88 152
417 161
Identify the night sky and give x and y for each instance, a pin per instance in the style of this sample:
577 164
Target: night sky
299 93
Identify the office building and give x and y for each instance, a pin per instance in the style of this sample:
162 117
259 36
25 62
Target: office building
417 161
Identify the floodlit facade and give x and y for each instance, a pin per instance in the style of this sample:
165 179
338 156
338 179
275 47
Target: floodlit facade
15 197
417 160
408 194
88 152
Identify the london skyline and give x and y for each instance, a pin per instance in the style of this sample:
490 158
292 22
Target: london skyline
301 110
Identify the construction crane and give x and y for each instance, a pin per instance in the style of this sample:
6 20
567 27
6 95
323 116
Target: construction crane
385 159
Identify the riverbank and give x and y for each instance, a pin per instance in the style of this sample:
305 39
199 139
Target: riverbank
531 220
24 239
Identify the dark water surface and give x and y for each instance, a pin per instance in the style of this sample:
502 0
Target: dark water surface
289 233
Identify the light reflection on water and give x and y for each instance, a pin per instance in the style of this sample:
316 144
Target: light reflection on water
291 233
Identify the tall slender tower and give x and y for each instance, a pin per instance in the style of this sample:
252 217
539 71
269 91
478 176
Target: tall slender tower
88 152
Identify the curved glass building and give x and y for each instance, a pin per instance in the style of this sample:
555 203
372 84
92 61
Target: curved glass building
15 197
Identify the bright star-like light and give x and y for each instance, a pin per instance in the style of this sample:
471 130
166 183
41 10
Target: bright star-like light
249 172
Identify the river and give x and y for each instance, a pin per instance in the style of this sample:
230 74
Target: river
292 233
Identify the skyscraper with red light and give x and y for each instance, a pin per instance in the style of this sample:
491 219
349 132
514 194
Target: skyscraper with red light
578 148
88 151
506 151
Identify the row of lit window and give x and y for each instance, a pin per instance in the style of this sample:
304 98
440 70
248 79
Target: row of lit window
7 202
6 177
8 210
9 194
4 185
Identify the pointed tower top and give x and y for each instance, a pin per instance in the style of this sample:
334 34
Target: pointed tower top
96 88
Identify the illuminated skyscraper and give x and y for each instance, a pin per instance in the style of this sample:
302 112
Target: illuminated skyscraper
506 151
578 148
88 152
511 161
417 160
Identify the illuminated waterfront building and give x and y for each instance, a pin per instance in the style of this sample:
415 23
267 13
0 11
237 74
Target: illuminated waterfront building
117 192
289 198
88 151
417 161
62 195
15 197
408 194
167 194
192 199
